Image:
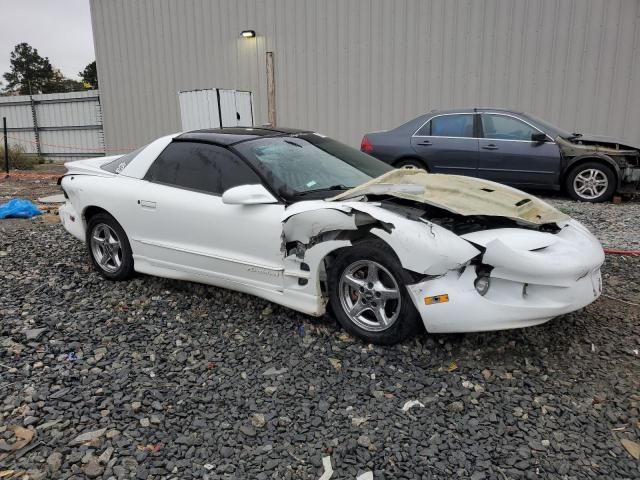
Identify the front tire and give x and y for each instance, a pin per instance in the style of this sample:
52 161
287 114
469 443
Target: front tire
109 247
411 163
591 182
368 294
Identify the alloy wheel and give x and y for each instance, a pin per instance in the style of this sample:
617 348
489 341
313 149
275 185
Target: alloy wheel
370 295
590 184
106 248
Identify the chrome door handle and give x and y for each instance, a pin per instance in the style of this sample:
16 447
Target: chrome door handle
426 143
491 146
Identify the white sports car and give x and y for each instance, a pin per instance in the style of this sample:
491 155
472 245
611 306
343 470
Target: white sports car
304 221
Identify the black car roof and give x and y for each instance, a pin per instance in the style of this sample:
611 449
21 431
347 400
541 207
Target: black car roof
233 135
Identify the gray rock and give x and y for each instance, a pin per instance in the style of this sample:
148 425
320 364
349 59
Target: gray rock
54 461
258 420
226 452
274 371
88 436
93 469
248 431
34 333
29 420
364 441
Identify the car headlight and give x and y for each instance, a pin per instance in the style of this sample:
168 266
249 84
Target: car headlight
482 284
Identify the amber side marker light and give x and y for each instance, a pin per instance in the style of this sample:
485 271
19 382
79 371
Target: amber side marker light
436 299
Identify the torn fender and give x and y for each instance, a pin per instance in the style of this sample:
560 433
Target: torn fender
421 246
303 226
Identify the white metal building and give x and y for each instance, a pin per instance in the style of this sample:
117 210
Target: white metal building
345 67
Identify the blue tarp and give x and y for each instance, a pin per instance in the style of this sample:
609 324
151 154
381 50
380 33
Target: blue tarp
19 208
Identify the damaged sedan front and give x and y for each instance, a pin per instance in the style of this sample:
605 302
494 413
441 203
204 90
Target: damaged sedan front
306 222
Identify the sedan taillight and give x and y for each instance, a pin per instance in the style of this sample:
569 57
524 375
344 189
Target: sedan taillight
365 145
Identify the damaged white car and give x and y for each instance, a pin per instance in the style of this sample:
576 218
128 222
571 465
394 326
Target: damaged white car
304 221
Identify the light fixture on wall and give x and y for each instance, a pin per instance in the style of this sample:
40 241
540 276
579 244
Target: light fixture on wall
248 33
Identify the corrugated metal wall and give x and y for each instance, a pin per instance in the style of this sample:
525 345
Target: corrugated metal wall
69 125
347 67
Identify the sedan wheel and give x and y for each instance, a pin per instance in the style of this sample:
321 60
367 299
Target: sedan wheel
106 248
370 295
591 182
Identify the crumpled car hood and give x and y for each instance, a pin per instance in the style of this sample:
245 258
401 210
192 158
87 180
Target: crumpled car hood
458 194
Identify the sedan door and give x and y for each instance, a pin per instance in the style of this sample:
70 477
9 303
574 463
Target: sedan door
508 155
183 225
447 144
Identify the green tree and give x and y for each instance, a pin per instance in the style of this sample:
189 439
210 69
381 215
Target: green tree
30 72
89 76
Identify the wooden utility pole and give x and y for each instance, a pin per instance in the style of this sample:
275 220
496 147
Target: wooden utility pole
271 90
6 144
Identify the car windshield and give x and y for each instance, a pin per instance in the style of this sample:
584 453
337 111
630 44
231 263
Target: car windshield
548 128
310 165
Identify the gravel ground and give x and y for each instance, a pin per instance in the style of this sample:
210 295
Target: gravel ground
155 378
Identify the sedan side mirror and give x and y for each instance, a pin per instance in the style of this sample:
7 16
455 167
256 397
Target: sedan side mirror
539 137
248 195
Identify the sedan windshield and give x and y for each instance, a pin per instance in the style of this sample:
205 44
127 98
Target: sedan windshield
310 165
552 130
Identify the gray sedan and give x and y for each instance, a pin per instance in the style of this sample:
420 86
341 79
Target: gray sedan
510 147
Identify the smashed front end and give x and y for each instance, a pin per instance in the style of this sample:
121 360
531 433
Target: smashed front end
623 157
484 256
522 278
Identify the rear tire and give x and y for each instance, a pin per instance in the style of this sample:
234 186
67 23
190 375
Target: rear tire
109 247
591 182
368 294
411 163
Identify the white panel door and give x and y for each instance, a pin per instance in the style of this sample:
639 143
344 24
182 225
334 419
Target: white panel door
228 110
196 232
199 109
244 108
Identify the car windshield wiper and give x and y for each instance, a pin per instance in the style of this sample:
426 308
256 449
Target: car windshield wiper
326 189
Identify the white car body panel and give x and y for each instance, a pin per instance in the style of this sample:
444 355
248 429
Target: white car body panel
189 235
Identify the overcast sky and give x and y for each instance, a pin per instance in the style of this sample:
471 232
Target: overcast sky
59 29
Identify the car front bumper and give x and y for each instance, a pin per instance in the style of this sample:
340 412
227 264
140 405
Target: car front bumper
530 287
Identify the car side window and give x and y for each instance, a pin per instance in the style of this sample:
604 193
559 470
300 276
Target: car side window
502 127
460 125
201 167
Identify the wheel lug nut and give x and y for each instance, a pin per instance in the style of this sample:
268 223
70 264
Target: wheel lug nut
373 304
370 285
378 294
361 289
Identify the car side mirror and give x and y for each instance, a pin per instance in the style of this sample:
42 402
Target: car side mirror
539 137
248 195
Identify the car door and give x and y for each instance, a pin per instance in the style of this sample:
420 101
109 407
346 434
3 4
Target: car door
508 155
183 225
447 144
